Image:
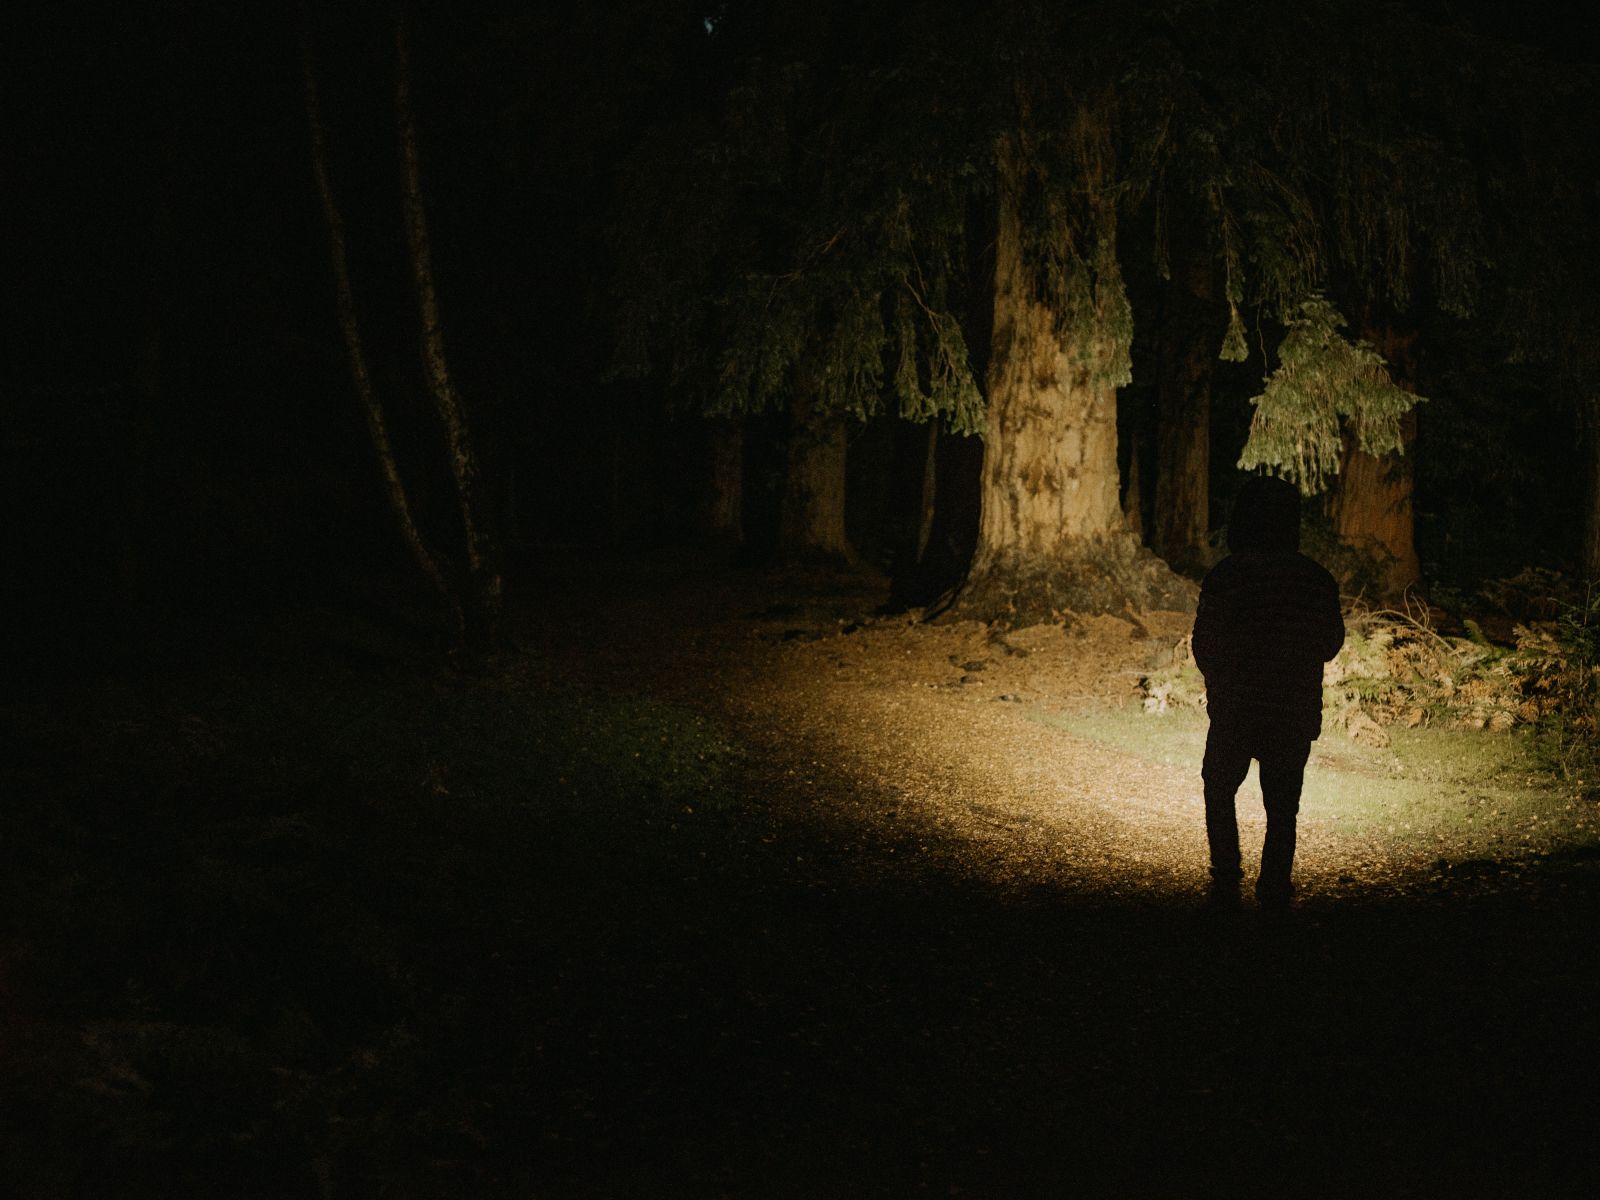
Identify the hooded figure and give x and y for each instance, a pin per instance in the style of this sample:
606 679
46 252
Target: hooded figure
1268 619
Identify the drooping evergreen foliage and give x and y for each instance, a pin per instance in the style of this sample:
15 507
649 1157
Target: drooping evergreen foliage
1320 147
811 231
803 234
1323 383
1353 175
1069 233
818 225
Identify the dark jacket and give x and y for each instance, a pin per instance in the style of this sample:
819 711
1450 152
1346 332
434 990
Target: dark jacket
1268 617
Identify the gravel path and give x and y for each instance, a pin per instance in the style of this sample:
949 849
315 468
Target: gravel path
943 946
922 747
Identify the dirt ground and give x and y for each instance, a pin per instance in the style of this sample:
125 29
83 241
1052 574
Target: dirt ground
727 884
932 746
979 958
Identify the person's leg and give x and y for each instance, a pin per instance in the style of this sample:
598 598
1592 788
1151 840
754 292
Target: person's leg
1283 765
1227 761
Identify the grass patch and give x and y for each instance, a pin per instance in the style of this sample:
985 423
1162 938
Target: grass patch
1457 795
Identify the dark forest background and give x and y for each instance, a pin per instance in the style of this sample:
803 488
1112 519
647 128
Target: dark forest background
182 452
691 870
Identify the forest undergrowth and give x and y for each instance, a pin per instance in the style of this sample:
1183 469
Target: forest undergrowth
355 929
1400 669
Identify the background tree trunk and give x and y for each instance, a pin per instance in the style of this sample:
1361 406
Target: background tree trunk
1591 530
811 513
483 555
722 511
1182 518
1371 501
427 559
928 493
1051 536
1133 491
941 490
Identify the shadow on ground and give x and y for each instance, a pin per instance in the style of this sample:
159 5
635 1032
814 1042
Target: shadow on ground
338 933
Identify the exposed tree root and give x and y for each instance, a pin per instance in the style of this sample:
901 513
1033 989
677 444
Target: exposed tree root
1104 575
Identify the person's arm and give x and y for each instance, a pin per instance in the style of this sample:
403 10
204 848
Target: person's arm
1331 631
1208 625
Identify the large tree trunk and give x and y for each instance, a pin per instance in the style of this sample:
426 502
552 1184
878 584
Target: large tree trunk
1051 535
811 515
1182 517
1370 503
483 554
427 559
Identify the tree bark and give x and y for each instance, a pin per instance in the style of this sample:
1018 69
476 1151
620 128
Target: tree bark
483 555
1370 503
1182 517
811 514
1591 529
1132 498
722 512
929 492
1051 537
427 559
941 488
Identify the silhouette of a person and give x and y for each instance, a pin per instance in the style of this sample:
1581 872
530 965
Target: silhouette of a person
1268 619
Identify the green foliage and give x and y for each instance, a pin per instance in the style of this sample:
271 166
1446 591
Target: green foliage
1113 323
861 312
1322 385
1068 232
1558 665
1234 348
1356 169
950 389
1090 301
805 240
1176 687
1394 670
811 232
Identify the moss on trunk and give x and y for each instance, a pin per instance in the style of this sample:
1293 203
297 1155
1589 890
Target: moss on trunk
1052 536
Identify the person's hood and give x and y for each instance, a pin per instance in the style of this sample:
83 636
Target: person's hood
1266 517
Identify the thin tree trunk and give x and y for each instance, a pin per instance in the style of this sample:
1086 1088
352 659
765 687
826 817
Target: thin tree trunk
483 556
1370 502
1591 530
427 560
131 516
1182 517
615 527
811 515
1132 502
936 541
1051 536
723 509
930 491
